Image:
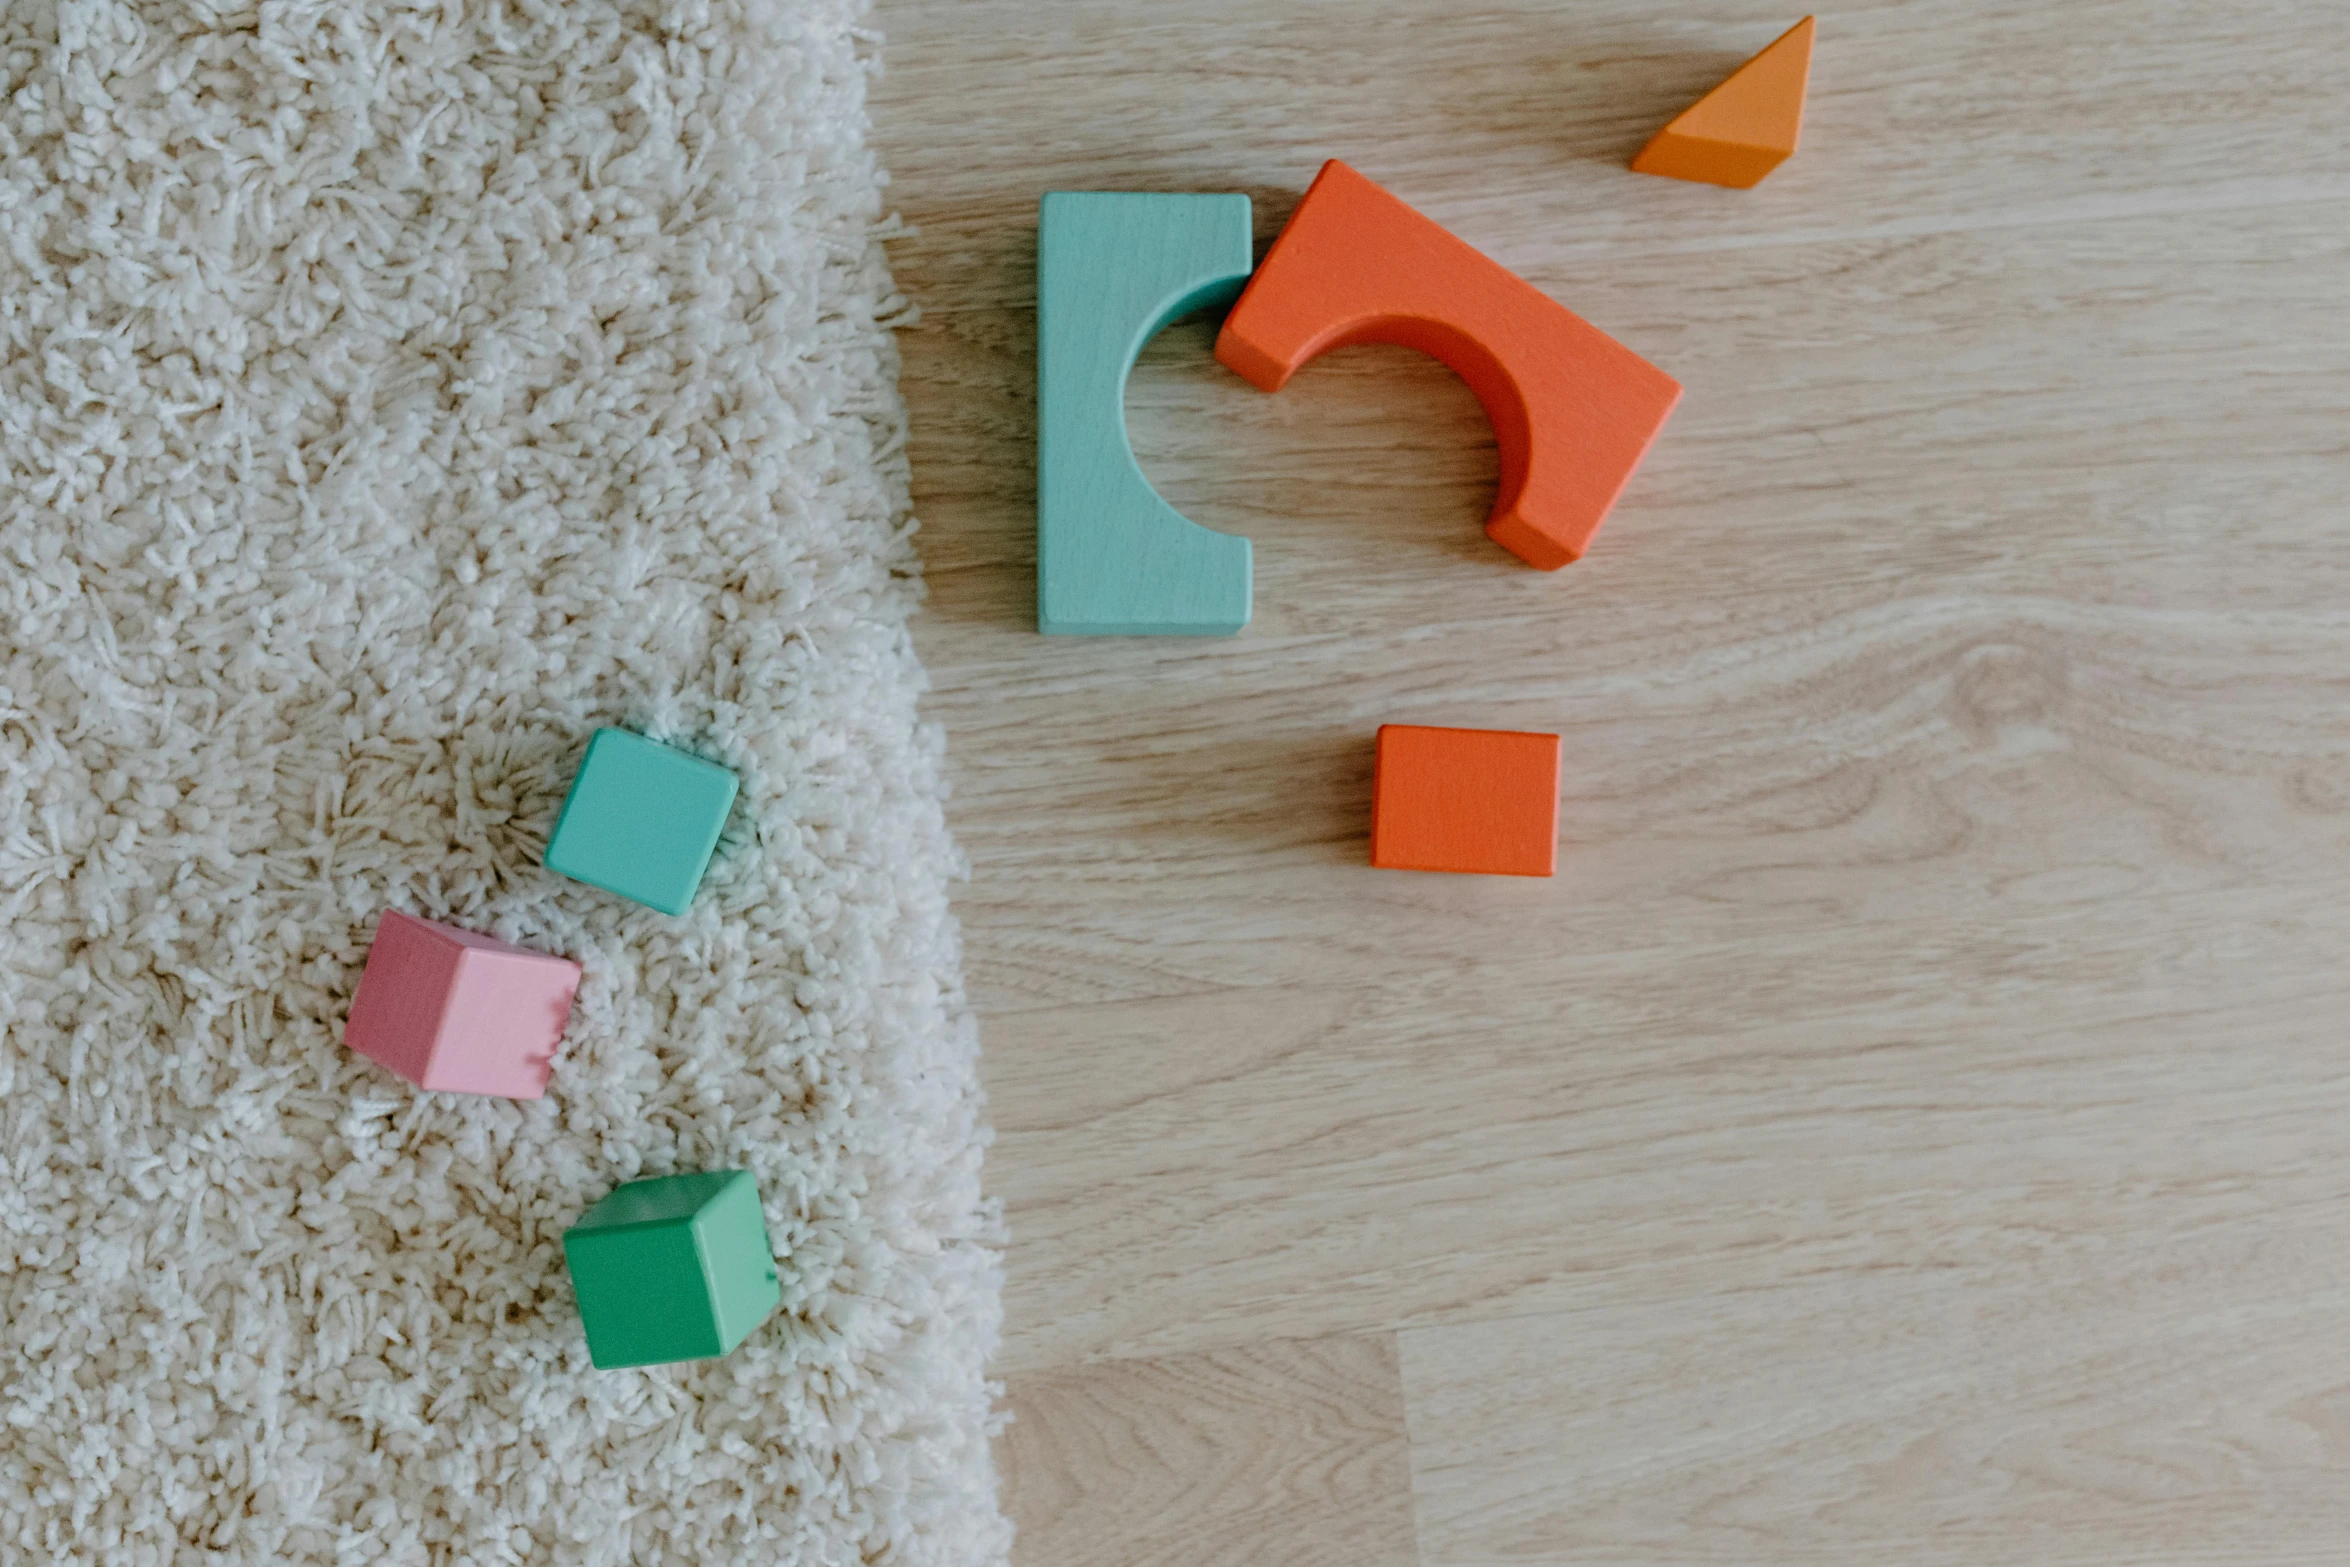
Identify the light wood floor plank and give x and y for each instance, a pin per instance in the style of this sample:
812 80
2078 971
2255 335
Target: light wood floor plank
1502 1139
1276 1455
2022 639
1514 120
2181 1395
1947 949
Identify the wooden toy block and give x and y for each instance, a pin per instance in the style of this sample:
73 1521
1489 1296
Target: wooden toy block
675 1268
641 820
458 1013
1573 410
1112 558
1477 800
1744 128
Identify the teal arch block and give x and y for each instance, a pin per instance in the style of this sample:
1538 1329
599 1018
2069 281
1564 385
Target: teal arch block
1113 269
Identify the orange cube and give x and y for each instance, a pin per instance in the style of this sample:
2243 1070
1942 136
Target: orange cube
1474 800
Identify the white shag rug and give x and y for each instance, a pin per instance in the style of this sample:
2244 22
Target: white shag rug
391 392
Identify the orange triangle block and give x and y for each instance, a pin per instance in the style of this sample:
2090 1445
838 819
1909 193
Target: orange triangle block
1744 128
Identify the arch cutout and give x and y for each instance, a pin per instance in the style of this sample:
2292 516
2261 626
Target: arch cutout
1574 412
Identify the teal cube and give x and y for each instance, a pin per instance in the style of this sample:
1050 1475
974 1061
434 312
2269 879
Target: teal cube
641 820
677 1268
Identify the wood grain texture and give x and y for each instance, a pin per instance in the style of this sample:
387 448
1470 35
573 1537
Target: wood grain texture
1485 1140
1278 1455
1955 857
2182 1401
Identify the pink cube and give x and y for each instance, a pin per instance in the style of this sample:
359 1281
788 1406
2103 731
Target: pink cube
459 1013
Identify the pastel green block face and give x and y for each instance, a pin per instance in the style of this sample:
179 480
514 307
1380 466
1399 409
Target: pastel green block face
677 1268
641 820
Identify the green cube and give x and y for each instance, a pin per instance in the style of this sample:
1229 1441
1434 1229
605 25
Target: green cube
672 1269
641 820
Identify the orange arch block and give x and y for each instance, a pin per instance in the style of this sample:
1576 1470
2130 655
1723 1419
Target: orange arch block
1744 128
1573 410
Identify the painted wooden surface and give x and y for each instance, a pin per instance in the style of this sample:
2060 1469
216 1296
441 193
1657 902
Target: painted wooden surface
642 820
1742 130
1909 1128
1113 269
454 1011
1573 410
1468 801
673 1268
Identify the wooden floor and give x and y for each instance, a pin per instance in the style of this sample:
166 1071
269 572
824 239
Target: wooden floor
1914 1126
